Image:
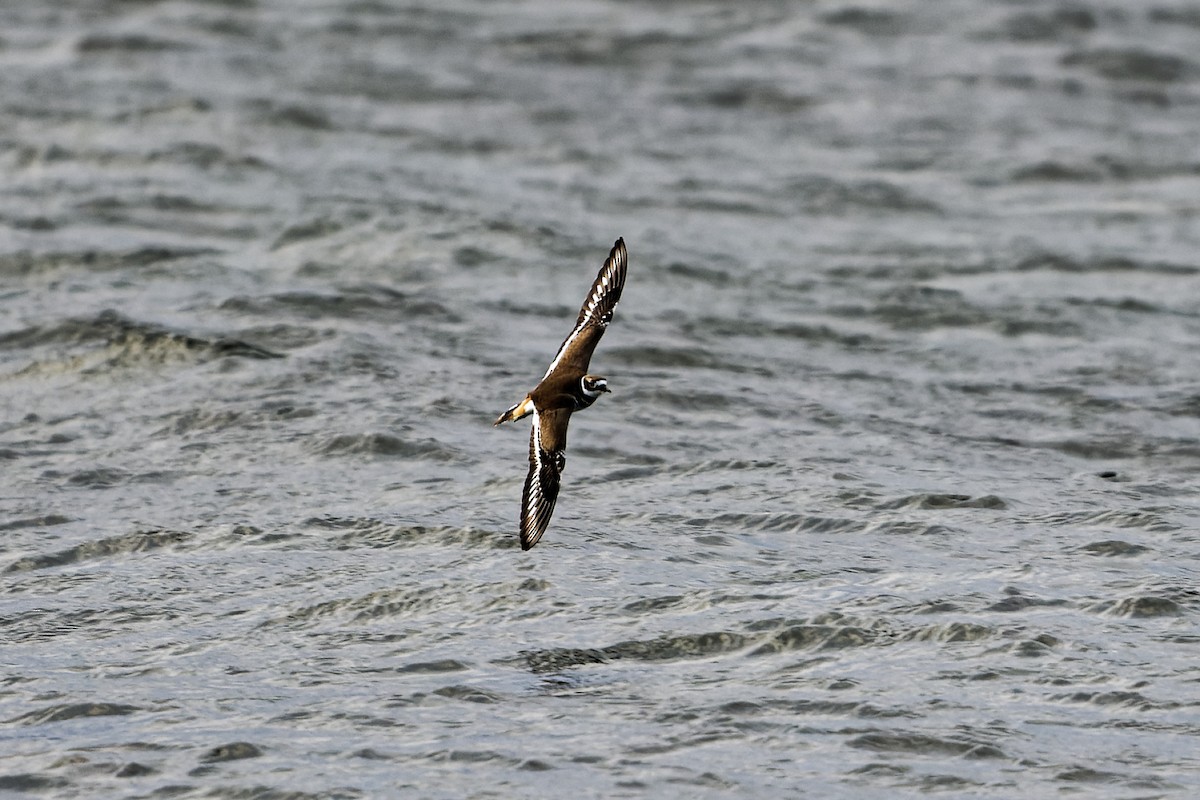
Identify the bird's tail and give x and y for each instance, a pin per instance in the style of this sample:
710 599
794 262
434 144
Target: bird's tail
521 409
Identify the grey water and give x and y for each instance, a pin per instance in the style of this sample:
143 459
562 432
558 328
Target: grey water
897 491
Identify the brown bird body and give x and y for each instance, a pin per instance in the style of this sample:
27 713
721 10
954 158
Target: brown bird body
564 389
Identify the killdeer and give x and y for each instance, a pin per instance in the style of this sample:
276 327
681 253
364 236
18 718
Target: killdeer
566 388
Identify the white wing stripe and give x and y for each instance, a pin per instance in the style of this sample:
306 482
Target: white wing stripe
535 489
565 347
589 313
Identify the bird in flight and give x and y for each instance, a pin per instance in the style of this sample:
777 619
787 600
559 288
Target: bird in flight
566 388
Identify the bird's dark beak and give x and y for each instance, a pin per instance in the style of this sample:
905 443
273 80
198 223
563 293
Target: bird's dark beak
605 388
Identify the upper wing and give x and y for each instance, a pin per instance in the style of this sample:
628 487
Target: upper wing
547 457
597 312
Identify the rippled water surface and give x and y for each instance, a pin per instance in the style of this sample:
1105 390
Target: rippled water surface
896 492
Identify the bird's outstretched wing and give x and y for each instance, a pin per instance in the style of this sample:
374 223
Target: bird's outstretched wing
597 312
547 457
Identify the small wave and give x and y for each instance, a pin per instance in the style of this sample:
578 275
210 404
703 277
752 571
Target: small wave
134 346
219 419
1034 648
350 302
203 419
62 713
1181 15
1119 699
99 478
1101 448
1018 602
1188 406
818 194
366 524
694 273
129 343
433 667
308 117
379 604
1132 64
672 648
720 465
1114 547
1131 304
1056 172
471 257
470 694
133 769
1058 262
1116 518
923 308
27 783
788 522
1147 606
632 473
688 399
234 751
936 501
128 43
205 156
657 604
677 358
654 465
667 648
747 95
924 744
594 45
108 477
385 445
726 204
1060 23
530 308
816 637
951 632
306 231
476 757
817 707
26 263
766 638
138 542
34 522
868 21
369 532
759 329
1090 775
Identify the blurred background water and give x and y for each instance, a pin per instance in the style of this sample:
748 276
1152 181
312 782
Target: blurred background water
895 494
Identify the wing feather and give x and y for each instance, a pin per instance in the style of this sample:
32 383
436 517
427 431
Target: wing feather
596 313
547 457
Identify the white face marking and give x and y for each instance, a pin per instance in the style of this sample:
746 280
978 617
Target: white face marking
599 387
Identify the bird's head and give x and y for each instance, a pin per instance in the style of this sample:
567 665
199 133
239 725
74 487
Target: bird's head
593 385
